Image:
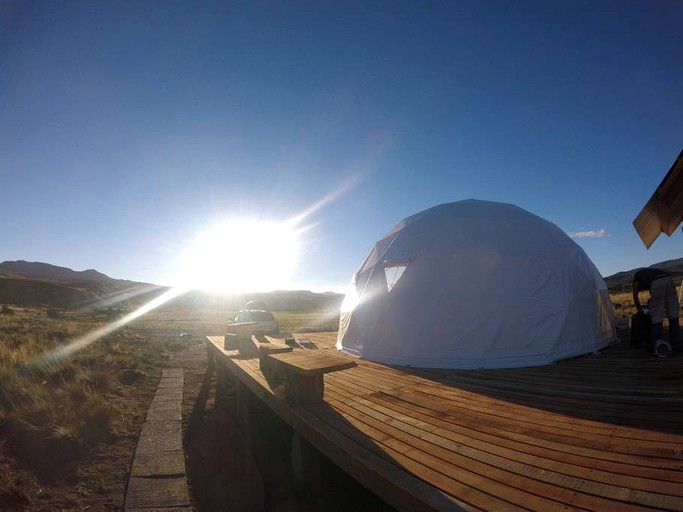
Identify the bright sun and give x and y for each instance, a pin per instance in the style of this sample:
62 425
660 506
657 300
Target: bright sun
241 256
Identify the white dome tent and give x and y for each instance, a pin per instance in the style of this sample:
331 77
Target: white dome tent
475 284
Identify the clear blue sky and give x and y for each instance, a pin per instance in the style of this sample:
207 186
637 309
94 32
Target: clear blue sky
128 127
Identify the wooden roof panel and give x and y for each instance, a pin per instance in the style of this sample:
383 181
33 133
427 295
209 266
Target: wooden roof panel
663 212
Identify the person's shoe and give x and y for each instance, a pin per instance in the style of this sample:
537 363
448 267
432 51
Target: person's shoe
662 348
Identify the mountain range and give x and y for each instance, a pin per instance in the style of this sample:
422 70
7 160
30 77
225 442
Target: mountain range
25 283
38 270
623 281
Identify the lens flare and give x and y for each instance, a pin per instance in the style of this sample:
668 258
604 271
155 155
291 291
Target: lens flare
61 352
351 299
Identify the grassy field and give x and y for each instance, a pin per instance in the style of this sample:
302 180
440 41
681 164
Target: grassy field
68 429
202 323
623 303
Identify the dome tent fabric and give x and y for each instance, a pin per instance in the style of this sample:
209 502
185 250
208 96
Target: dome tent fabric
475 284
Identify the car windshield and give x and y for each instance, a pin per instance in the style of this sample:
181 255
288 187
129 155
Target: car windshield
260 316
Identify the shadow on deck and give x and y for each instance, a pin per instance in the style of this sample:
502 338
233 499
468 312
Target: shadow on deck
620 386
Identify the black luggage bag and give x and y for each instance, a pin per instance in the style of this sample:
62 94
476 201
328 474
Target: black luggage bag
641 330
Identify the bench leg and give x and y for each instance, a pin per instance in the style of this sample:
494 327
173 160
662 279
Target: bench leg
243 408
210 361
305 465
225 384
265 366
303 389
274 374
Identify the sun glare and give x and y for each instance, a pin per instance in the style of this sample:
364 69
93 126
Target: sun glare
241 256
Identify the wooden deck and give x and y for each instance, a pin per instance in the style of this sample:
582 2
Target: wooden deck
599 432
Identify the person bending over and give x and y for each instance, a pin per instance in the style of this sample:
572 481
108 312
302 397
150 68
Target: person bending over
662 297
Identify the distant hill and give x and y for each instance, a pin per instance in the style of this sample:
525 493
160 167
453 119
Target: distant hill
24 283
623 281
290 300
34 292
38 270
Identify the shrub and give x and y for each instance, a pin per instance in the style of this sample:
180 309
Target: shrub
96 416
100 380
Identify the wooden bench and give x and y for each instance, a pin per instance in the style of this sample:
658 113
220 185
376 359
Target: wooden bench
235 333
268 368
241 329
304 372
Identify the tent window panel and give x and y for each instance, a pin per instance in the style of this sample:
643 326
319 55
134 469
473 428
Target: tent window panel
393 270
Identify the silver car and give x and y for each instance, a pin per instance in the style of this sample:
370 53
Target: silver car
265 322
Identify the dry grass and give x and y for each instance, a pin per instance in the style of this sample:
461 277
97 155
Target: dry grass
75 400
57 420
623 303
213 321
308 321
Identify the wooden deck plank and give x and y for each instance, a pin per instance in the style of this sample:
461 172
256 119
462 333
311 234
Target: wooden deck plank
580 467
593 433
643 415
378 471
418 452
649 378
560 430
586 393
515 464
523 484
571 423
381 446
573 477
506 413
585 461
545 438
